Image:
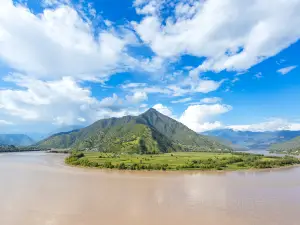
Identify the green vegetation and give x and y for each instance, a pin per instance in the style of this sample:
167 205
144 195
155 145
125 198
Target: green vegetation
148 133
179 161
291 147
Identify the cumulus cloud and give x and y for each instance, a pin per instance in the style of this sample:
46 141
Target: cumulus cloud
53 101
60 102
254 31
137 97
286 70
59 42
200 117
273 124
189 85
163 109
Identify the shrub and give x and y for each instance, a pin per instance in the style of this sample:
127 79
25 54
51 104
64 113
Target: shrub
122 166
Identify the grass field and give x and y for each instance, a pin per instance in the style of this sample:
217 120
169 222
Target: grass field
179 161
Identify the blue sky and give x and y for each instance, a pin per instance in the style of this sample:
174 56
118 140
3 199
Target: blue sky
208 64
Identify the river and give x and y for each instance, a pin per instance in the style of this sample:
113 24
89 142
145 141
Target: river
38 189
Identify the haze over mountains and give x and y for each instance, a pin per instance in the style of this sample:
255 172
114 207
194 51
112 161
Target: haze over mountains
254 140
16 139
290 146
32 138
150 132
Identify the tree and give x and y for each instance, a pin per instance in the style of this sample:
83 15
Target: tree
143 147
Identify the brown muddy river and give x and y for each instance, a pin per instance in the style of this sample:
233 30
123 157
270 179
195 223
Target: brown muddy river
38 189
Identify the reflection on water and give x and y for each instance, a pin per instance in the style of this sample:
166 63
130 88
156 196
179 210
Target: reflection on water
37 189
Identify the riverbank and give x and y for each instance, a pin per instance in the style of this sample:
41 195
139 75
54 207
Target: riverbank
202 161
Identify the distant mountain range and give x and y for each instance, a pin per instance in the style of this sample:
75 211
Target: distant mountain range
15 139
150 132
291 146
32 138
253 140
40 136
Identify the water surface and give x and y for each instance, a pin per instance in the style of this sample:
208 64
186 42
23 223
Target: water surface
38 189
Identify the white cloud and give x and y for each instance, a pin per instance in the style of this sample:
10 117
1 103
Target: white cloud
113 102
211 100
200 117
286 70
258 75
143 106
206 126
59 42
51 101
194 84
133 85
59 102
137 97
272 124
143 87
182 100
234 80
189 85
163 109
254 31
5 122
51 3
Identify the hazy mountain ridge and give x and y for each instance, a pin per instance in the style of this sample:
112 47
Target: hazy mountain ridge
65 129
254 140
148 132
15 139
291 146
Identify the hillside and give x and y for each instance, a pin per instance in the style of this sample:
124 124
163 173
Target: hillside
15 139
150 132
254 140
291 146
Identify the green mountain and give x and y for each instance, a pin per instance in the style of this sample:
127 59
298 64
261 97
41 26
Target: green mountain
15 139
291 146
150 132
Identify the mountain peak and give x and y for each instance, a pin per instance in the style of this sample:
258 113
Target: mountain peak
151 131
151 110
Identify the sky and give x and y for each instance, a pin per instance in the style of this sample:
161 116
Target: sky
210 64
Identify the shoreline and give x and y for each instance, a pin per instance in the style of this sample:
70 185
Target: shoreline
173 171
182 171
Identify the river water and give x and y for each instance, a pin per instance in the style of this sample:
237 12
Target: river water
38 189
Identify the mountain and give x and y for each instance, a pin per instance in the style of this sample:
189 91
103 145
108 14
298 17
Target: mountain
254 140
65 129
15 139
291 146
150 132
